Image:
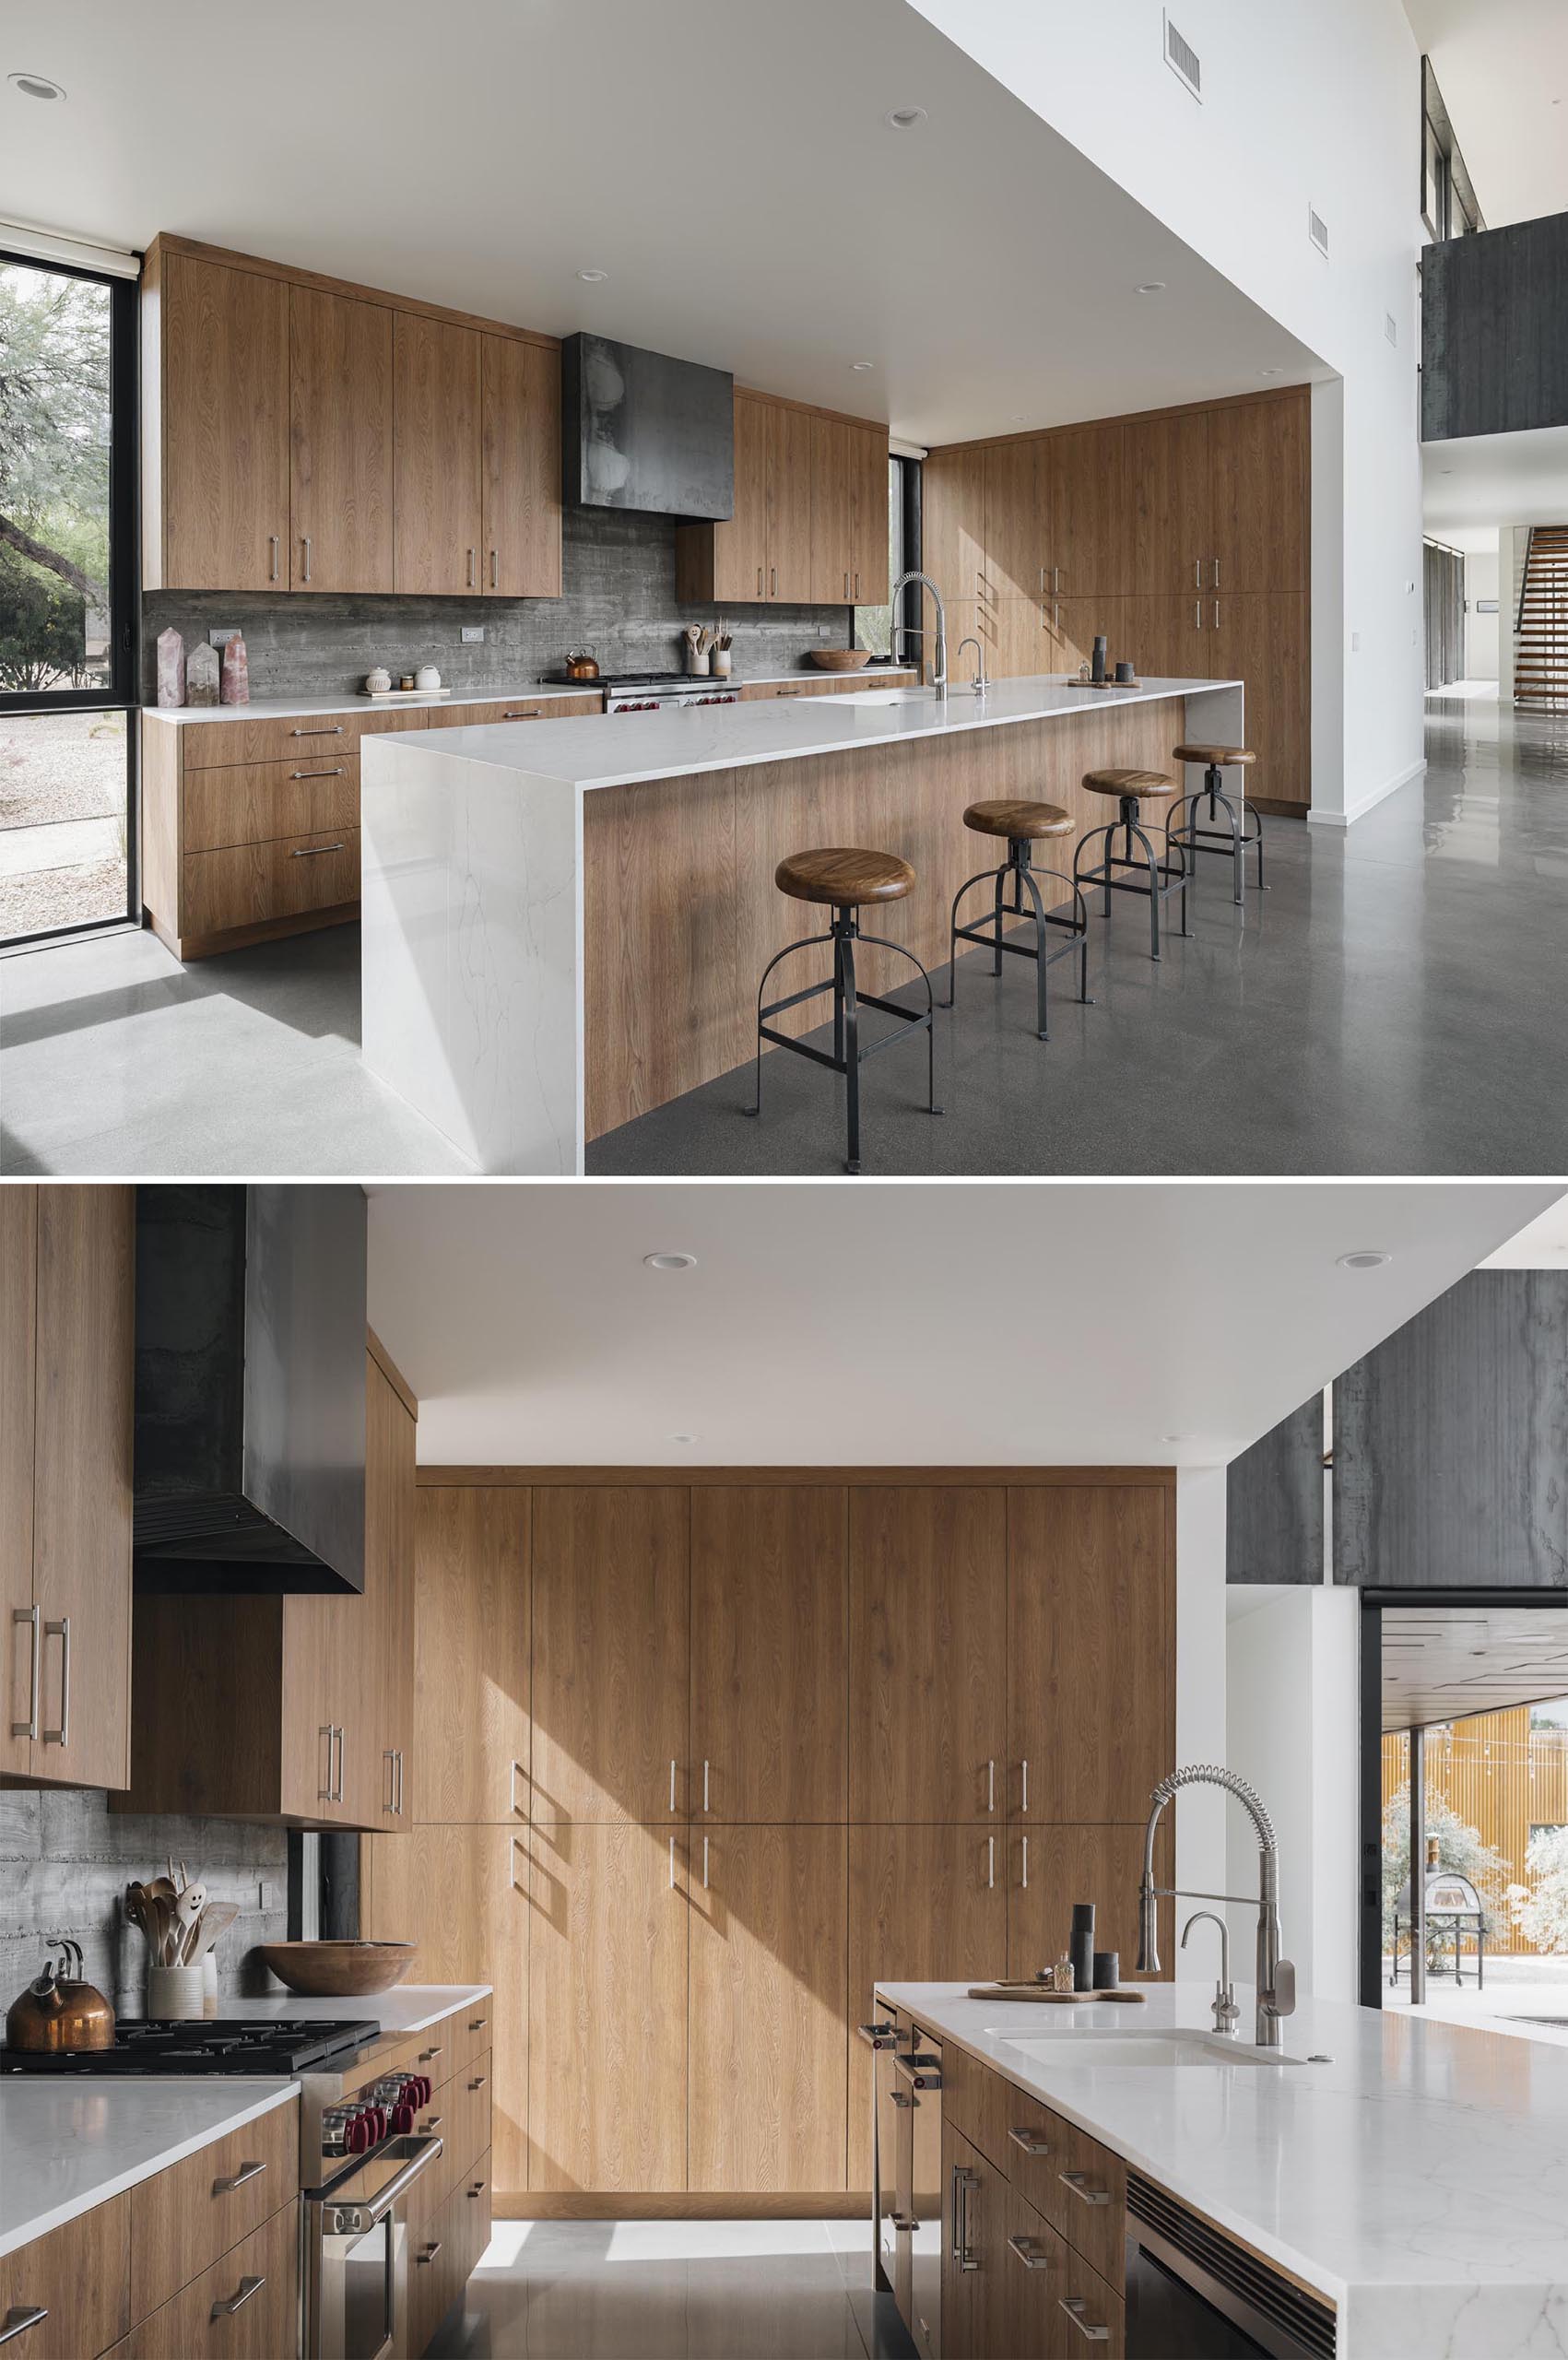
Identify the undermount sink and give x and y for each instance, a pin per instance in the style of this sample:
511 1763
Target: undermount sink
1155 2051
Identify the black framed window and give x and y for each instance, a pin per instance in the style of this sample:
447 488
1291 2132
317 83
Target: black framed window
1449 207
68 578
872 625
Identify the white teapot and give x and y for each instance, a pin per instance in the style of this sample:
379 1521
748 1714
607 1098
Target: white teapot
427 676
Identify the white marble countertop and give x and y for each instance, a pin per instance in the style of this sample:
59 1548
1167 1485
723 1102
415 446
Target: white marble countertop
628 748
1419 2179
408 2007
71 2143
288 708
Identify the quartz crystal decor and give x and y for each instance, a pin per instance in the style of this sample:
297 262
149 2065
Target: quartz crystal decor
236 674
170 667
201 675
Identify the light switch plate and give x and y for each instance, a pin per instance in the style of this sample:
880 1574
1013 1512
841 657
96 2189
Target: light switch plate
221 638
266 1897
473 634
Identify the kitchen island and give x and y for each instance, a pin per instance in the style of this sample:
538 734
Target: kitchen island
1411 2175
565 924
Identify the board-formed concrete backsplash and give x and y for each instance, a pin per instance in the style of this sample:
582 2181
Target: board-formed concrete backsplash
66 1860
619 578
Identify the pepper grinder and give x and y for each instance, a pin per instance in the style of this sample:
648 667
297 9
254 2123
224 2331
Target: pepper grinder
1082 1945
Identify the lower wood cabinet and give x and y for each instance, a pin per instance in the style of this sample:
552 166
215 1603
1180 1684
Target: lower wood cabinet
245 2307
184 2219
1067 1864
75 2283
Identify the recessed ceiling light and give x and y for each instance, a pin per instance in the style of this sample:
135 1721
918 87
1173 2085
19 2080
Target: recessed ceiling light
863 364
592 277
1017 416
35 86
686 1437
904 118
1268 372
671 1261
1152 287
1364 1258
1178 1437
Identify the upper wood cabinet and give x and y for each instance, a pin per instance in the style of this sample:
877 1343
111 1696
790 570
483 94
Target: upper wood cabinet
952 540
1016 559
340 441
215 432
438 476
1259 476
472 1653
391 1506
520 438
871 499
832 538
67 1343
790 462
808 518
1167 483
1092 536
769 1668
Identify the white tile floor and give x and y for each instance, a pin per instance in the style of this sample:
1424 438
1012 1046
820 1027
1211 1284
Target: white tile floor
674 2290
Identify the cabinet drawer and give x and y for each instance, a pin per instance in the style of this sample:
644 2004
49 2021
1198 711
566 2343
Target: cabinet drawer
436 2271
472 2198
1035 2267
78 2278
252 803
978 2103
1082 2303
474 715
473 2030
471 2111
1085 2196
243 2307
184 2218
438 2050
248 884
213 745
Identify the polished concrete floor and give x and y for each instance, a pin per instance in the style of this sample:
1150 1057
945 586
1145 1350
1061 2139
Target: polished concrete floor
1393 1005
114 1058
674 2290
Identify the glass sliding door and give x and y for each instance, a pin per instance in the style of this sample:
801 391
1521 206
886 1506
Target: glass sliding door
67 600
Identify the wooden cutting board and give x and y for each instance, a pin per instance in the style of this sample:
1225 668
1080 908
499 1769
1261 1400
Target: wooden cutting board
1052 1999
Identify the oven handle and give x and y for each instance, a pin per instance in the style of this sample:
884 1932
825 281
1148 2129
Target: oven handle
358 2220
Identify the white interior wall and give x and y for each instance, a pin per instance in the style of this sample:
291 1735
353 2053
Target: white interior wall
1200 1691
1481 631
1314 105
1512 542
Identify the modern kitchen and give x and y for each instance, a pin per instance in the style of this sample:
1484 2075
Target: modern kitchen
486 1872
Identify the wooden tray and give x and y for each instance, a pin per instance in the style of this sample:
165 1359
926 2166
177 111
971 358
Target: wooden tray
1052 1999
1103 684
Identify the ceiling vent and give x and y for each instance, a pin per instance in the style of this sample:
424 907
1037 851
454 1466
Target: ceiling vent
1317 230
1183 59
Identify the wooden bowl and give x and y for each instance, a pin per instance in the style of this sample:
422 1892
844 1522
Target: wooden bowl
840 659
338 1970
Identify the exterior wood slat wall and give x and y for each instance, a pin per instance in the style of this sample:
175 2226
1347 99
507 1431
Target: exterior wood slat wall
1501 1776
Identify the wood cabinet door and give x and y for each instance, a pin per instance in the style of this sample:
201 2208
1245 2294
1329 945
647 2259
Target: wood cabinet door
225 427
976 2288
1032 2323
870 502
462 1893
789 503
80 2275
520 449
1018 520
328 1696
1265 643
18 1334
1167 637
607 2009
1168 490
952 544
1261 522
959 2161
339 442
1091 1649
832 539
769 1652
438 508
390 1508
926 1905
1092 540
927 1570
1062 1865
82 1445
611 1590
767 2041
471 1744
740 548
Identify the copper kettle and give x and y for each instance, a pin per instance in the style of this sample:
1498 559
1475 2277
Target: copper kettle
582 664
60 2011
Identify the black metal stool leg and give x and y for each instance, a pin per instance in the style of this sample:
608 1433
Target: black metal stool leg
809 942
880 942
1214 781
848 1012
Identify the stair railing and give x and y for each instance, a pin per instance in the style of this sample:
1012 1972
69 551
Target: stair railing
1524 583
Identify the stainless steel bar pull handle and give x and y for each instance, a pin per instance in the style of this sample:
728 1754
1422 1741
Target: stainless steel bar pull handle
759 581
1215 584
275 543
1026 1785
1030 2252
428 2254
1198 614
400 1782
1198 574
1026 1864
773 581
1079 2183
306 538
252 2283
313 852
704 1864
62 1631
704 1786
227 2186
1216 614
332 773
495 570
672 1786
323 1792
389 1756
1075 2307
339 1796
479 2080
990 1786
990 1863
28 1728
328 730
20 2318
473 565
672 1864
1030 2141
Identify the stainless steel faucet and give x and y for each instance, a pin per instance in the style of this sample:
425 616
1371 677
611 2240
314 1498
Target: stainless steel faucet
939 674
980 683
1226 2012
1276 1975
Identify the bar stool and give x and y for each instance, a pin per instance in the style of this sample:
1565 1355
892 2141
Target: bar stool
847 880
1023 825
1131 790
1184 830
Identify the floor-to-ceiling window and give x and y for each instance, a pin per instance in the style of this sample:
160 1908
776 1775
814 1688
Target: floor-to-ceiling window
873 624
67 592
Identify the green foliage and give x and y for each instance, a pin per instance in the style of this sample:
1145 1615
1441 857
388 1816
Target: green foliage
54 413
1460 1848
42 628
1541 1913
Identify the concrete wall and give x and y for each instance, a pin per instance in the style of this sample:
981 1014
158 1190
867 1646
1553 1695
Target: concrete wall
618 582
1482 632
1494 331
1308 105
65 1864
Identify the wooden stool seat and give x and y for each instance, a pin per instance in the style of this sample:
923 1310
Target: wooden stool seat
1142 783
1020 823
844 875
1222 757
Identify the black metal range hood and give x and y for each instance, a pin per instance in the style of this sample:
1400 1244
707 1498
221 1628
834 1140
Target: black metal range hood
250 1434
645 431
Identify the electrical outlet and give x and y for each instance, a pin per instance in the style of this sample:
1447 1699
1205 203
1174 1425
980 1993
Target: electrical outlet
220 638
266 1897
1355 642
473 634
824 630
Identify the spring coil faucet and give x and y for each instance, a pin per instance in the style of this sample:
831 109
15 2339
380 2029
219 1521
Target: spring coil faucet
1276 1975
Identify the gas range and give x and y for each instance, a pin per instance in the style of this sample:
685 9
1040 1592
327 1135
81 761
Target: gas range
273 2046
649 691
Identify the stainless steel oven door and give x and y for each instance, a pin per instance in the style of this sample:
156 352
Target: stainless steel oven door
356 2253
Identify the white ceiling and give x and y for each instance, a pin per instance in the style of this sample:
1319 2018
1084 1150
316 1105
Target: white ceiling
1502 68
1472 485
1444 1663
1541 1245
730 169
927 1324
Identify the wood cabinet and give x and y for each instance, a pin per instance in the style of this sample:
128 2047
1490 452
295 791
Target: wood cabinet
242 2307
520 449
184 2219
1050 1867
438 477
810 514
769 1652
340 441
790 459
976 2281
67 1341
388 1762
849 513
216 392
79 2276
928 1570
471 1655
1260 510
729 561
1264 642
767 1985
952 545
1092 532
870 509
1168 486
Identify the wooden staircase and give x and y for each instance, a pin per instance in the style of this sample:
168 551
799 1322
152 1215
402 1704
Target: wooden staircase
1541 628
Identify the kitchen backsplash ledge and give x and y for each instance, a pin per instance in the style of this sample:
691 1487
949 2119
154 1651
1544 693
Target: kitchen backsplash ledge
620 599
